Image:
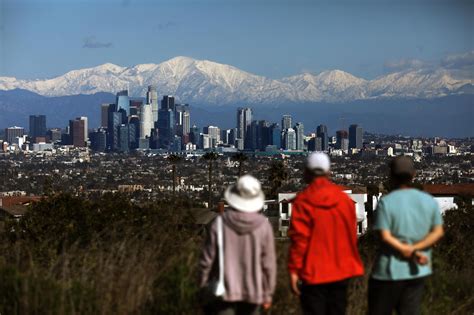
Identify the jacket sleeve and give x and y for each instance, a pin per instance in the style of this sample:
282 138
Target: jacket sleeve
269 264
299 233
208 255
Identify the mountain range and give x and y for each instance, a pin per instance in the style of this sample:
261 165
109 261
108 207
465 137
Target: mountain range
206 82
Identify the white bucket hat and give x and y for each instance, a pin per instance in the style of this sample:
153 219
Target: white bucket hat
246 195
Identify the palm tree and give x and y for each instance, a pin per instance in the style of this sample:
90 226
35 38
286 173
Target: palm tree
174 159
240 158
210 157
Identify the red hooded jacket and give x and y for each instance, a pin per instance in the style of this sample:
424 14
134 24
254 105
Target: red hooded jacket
323 235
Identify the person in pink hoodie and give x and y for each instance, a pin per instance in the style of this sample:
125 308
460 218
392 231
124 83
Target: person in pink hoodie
249 258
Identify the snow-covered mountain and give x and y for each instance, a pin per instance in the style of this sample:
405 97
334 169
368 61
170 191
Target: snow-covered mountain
203 81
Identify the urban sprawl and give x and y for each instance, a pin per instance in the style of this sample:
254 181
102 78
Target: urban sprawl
149 151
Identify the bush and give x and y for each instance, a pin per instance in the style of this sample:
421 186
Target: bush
69 255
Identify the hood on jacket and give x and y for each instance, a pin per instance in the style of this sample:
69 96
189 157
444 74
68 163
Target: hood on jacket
243 222
322 193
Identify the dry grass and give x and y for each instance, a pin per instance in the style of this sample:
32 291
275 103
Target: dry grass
151 269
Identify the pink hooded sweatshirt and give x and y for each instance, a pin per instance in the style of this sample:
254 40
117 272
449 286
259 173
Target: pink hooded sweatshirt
249 258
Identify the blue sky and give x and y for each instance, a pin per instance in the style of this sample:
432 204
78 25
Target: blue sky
275 38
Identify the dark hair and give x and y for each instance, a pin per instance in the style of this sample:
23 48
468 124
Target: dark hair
312 174
400 179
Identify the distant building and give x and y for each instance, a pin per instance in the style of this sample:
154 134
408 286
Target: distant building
286 122
104 115
76 133
244 119
152 99
299 130
183 119
167 103
194 135
146 121
205 141
315 144
275 135
214 135
289 139
166 126
355 137
438 150
322 132
11 133
115 119
86 127
123 101
37 126
53 135
99 140
123 132
342 141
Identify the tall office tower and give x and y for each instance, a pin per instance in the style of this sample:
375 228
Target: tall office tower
152 99
250 143
232 136
146 121
315 144
104 115
322 132
214 135
225 133
76 133
286 122
182 119
262 135
166 128
342 141
275 135
355 137
167 103
299 129
123 101
99 140
134 131
123 138
86 126
114 120
194 135
37 126
186 122
12 133
289 139
244 119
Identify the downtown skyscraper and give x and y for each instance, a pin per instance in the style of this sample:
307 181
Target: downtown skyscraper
152 99
37 126
355 137
244 119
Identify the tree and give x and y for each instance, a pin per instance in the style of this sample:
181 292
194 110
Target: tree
174 159
240 158
278 174
210 157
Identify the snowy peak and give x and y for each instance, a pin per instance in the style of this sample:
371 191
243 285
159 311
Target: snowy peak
204 81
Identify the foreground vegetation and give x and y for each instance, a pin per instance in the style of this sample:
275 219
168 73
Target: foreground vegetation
69 255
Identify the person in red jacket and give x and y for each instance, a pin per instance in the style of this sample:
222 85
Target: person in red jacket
323 255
